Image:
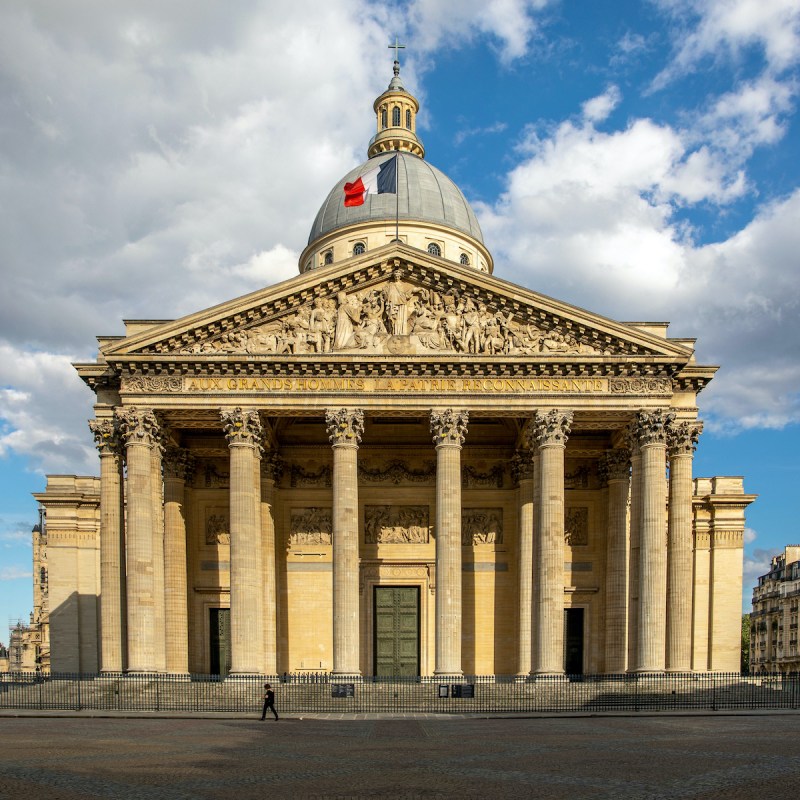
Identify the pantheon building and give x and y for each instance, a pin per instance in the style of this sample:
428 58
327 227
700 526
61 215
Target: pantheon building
395 463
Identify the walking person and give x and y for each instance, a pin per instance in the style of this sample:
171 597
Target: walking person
269 702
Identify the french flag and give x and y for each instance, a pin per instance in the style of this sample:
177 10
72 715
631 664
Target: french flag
379 180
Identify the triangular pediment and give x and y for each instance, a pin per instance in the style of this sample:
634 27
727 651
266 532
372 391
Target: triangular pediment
395 302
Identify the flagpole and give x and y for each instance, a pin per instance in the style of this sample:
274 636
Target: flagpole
396 199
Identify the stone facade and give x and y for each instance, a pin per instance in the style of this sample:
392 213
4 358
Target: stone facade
395 417
773 622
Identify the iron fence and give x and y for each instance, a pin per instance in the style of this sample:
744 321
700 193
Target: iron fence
323 693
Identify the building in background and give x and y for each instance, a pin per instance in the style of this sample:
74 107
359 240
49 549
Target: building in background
773 621
395 464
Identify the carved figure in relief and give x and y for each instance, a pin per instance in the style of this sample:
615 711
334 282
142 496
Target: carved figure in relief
576 527
217 529
395 524
311 526
322 325
482 526
348 317
399 299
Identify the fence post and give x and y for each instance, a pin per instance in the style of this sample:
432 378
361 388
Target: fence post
158 698
79 693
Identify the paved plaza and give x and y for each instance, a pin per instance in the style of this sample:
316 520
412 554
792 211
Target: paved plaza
684 756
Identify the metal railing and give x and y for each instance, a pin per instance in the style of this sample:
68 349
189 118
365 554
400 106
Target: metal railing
322 693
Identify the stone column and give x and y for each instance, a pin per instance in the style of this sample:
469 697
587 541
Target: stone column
651 432
112 547
345 427
550 430
615 468
157 495
177 467
448 428
681 440
270 475
244 432
139 431
634 537
523 469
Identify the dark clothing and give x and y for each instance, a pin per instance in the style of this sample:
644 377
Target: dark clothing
269 703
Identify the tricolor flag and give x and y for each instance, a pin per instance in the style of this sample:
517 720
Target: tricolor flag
379 180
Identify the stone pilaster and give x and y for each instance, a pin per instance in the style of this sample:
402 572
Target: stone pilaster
615 469
448 429
139 432
651 432
178 467
112 547
681 442
524 472
549 431
271 468
244 432
345 428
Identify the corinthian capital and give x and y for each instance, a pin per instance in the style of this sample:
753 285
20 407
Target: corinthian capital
522 466
682 437
106 436
272 467
615 465
138 426
242 427
345 426
650 427
449 427
178 463
549 427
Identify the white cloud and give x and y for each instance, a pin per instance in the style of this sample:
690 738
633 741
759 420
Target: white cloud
15 572
442 23
756 564
716 28
598 108
749 535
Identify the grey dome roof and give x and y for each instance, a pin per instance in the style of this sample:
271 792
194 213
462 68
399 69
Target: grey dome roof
426 195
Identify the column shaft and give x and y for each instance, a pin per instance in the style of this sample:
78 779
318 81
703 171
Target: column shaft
679 565
159 613
243 431
616 640
635 523
525 567
651 641
270 591
112 555
175 588
345 427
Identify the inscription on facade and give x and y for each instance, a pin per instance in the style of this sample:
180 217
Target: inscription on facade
396 524
481 526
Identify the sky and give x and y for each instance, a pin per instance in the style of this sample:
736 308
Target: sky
640 159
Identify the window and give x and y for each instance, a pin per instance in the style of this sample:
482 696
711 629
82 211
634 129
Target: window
434 249
328 259
464 259
396 117
359 248
384 118
408 118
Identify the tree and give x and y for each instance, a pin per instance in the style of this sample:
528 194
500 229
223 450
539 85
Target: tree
745 660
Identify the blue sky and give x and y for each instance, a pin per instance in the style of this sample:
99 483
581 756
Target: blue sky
640 159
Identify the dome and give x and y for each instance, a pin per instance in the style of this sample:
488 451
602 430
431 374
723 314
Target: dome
426 195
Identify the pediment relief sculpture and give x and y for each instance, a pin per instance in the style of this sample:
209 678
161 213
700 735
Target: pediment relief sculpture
398 317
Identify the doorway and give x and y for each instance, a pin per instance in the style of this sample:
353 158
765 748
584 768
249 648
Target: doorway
573 641
220 641
396 630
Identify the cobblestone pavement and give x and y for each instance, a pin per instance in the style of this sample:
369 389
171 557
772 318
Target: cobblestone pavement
325 758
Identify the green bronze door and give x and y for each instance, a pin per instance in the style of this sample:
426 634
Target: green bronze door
220 630
396 630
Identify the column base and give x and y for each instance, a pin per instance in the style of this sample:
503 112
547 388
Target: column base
548 677
110 675
449 675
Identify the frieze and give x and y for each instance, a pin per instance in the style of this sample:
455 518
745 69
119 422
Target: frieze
576 526
640 386
396 524
312 526
578 478
300 476
152 384
481 526
396 472
471 477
